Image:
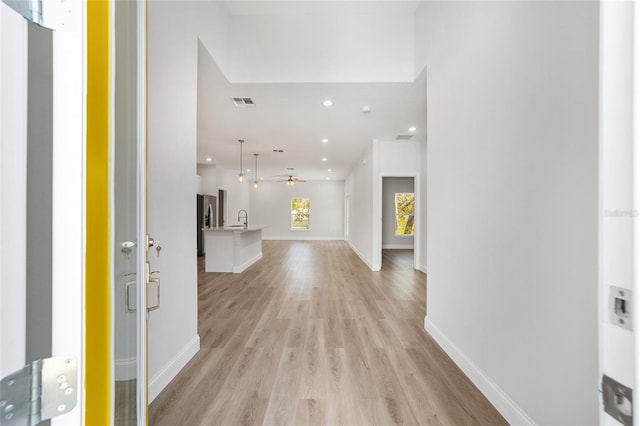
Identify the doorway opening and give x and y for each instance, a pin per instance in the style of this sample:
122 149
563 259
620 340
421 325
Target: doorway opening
398 224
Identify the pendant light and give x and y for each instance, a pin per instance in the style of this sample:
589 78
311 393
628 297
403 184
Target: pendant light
255 182
241 175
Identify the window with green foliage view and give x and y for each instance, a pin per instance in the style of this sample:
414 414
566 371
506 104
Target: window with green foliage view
300 208
404 213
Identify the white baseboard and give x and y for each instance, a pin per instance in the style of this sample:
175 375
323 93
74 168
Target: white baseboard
125 369
422 268
160 380
397 246
288 238
496 396
373 267
240 268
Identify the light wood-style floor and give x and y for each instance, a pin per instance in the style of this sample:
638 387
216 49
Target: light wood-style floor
310 336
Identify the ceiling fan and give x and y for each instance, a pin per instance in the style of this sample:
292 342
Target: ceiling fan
290 179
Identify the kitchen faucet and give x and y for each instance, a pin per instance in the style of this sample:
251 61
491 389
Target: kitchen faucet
246 217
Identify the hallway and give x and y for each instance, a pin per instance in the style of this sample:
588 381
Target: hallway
309 335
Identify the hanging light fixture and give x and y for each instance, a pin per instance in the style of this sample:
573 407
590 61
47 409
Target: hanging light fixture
241 175
255 181
290 181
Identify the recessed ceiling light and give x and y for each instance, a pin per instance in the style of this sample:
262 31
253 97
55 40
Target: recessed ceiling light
209 159
412 128
328 178
324 158
328 170
325 140
327 103
366 108
261 178
248 170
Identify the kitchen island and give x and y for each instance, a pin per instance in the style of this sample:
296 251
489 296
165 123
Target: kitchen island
232 249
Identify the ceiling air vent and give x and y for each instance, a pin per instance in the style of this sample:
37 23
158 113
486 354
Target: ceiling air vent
403 137
243 102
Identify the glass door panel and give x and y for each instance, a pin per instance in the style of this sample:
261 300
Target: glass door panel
129 275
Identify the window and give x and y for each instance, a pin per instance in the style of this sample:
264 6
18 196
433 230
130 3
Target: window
300 208
404 213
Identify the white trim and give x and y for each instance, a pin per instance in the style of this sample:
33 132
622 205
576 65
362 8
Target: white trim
13 188
173 367
636 196
422 268
141 219
287 238
112 207
241 268
496 396
374 267
68 210
397 246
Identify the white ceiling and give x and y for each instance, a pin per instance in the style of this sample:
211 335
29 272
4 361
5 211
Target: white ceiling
291 117
270 7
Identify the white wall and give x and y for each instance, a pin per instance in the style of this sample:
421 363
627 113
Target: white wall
237 194
174 30
359 192
396 158
208 174
364 192
391 186
271 205
342 47
399 157
512 200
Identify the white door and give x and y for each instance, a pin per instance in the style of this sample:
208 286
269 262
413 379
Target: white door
619 219
73 206
41 180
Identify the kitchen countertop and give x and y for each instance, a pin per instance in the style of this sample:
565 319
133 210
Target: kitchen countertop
236 228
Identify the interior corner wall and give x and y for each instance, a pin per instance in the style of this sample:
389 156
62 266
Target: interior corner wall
422 203
173 33
512 204
271 205
391 186
359 193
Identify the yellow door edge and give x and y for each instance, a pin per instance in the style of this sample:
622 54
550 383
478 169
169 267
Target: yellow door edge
98 229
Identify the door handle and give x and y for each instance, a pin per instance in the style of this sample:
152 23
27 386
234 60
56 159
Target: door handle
127 285
154 281
151 282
